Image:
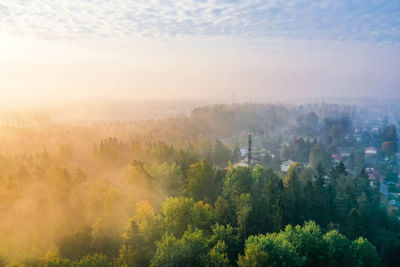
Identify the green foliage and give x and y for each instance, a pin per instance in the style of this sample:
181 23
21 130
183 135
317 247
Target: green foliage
17 264
308 242
243 213
319 155
221 154
52 259
2 260
169 176
138 245
237 181
364 253
337 250
226 235
180 213
203 214
160 151
217 256
97 260
297 246
293 196
269 250
76 245
190 250
202 182
224 211
389 133
254 257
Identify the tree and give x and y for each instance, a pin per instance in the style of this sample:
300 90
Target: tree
224 211
298 246
337 135
169 252
185 158
389 140
353 224
237 181
221 154
389 147
308 124
264 194
169 176
2 261
96 260
364 253
269 250
76 245
308 242
389 133
79 177
309 198
243 212
254 256
276 163
217 256
266 160
105 237
357 160
301 150
338 249
225 235
51 259
331 201
319 155
319 198
190 250
236 152
180 213
201 182
138 245
161 152
292 197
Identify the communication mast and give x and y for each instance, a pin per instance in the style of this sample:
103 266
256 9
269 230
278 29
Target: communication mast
249 152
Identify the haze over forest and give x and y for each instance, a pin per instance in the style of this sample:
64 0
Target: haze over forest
199 133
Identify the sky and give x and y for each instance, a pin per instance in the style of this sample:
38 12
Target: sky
243 50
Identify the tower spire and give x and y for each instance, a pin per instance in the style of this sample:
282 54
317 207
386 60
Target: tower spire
249 152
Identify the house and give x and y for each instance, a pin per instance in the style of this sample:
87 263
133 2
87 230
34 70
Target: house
344 152
357 135
337 158
243 152
373 174
239 164
394 203
370 152
286 165
375 131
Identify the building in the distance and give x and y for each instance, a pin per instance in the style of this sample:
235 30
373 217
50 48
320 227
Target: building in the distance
286 165
371 152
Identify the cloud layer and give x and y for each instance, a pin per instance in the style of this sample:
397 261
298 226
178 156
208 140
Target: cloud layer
375 20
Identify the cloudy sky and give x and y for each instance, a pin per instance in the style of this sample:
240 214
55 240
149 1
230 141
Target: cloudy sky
262 50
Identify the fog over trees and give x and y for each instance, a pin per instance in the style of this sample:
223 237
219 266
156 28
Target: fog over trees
178 191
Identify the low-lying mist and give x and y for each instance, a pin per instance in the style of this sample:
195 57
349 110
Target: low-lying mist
66 178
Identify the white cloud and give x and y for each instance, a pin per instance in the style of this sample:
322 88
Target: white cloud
377 21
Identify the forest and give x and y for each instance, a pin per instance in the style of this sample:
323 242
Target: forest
169 191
